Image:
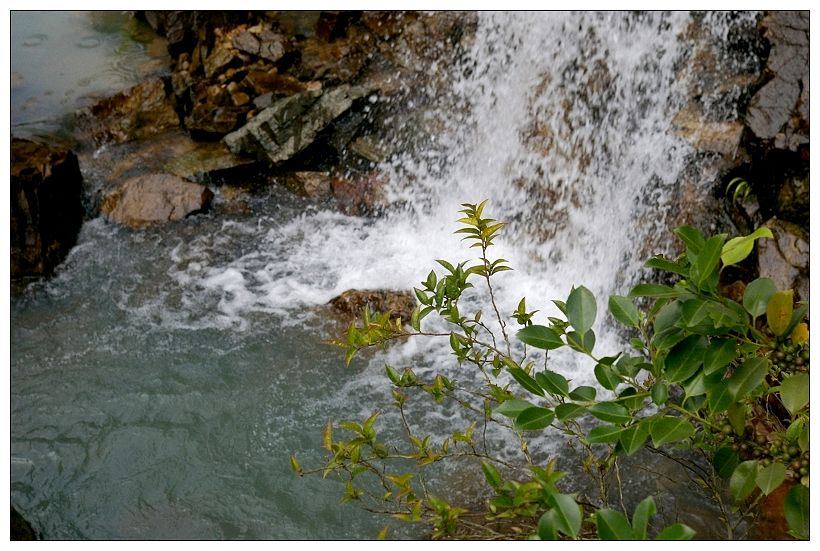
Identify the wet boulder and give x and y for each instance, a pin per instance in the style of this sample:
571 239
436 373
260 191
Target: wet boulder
311 184
46 206
360 195
292 124
153 199
351 303
140 112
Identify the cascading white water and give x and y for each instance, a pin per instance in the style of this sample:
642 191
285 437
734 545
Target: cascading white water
161 380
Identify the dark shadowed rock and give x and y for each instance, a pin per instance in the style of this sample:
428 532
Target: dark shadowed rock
46 206
313 185
155 198
399 304
785 259
292 124
21 529
137 113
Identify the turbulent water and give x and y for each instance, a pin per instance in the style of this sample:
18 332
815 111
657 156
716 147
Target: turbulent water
162 379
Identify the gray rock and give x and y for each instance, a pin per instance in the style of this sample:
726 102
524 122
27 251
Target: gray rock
155 198
771 107
785 259
291 124
265 44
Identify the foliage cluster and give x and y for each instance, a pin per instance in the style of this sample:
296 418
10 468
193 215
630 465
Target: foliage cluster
703 373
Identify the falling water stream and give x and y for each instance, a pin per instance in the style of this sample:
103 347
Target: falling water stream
162 378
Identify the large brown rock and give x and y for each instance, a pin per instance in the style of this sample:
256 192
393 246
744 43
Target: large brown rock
351 303
785 259
137 113
155 198
46 206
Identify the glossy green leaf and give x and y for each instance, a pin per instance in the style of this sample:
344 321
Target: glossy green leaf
738 248
685 358
605 434
568 514
553 382
779 311
736 413
719 396
659 393
654 290
770 477
633 438
692 237
612 525
670 429
624 310
534 418
525 380
796 508
610 412
725 461
645 510
757 294
607 377
661 263
708 259
718 355
694 311
676 532
491 474
511 408
540 336
547 530
583 394
794 392
746 377
581 309
742 482
568 411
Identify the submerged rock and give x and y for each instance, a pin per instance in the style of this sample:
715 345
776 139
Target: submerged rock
46 206
155 198
399 304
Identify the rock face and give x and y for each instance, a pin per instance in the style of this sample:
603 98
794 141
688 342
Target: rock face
137 113
155 198
785 259
46 207
399 304
21 529
290 125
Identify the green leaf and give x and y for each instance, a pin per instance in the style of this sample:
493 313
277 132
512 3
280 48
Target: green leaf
725 461
607 377
796 507
645 510
491 474
719 396
295 467
685 358
737 249
534 418
653 290
511 408
552 382
718 355
757 294
708 259
604 434
624 310
746 377
667 265
581 309
525 380
568 411
610 412
541 337
659 393
779 311
794 392
742 481
737 416
676 532
769 478
583 394
612 525
547 526
568 514
693 238
670 429
694 311
633 438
